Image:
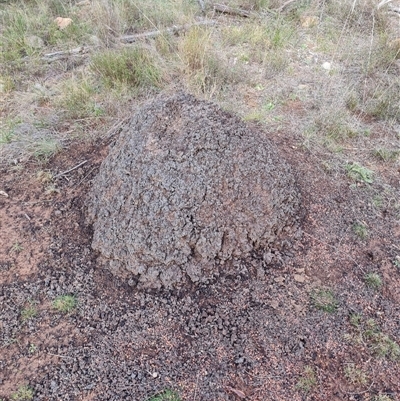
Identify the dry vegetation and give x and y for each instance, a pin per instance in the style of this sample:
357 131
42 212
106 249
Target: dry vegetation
325 71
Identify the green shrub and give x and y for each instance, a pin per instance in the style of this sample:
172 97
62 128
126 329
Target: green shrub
136 67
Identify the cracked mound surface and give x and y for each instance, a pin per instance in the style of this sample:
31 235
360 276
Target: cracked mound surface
186 188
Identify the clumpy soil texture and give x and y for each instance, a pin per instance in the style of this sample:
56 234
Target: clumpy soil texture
186 188
299 322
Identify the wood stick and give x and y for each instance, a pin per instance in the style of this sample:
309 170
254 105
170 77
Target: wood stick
173 30
284 5
71 169
61 54
222 8
126 39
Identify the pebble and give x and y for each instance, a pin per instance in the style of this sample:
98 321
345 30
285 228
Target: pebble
327 66
300 278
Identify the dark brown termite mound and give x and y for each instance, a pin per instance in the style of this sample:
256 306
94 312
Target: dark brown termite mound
186 188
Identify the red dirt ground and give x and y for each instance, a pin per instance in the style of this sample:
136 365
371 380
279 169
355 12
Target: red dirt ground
249 336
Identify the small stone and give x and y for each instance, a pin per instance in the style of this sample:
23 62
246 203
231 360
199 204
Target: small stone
34 41
154 375
326 66
309 21
274 304
57 213
63 23
299 278
300 271
279 280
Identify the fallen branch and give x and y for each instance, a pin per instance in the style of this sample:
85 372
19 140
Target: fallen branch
126 39
382 3
284 5
222 8
173 30
62 54
71 169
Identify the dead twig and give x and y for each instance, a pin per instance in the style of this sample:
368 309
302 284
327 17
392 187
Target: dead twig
71 169
63 54
202 6
224 9
173 30
60 356
382 3
284 5
115 129
86 176
126 39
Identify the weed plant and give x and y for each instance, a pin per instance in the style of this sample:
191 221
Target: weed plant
166 395
373 280
324 300
307 381
65 303
24 393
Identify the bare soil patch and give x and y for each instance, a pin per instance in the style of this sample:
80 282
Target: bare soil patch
246 336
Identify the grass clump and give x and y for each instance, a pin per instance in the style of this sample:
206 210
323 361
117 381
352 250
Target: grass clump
307 381
24 393
77 99
206 70
386 155
65 303
360 230
166 395
324 300
16 248
355 375
381 397
135 67
369 333
29 312
373 280
46 148
359 173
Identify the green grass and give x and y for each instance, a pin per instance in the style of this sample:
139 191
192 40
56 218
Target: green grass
360 230
373 280
29 312
7 130
23 20
359 173
307 381
24 393
136 67
382 397
16 248
77 99
166 395
386 155
204 69
324 300
65 303
45 148
355 375
368 332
